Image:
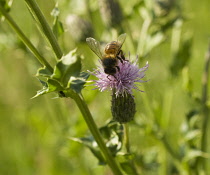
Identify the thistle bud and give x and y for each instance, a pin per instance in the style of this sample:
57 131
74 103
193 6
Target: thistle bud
79 28
111 13
123 107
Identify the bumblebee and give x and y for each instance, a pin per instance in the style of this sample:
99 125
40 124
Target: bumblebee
112 53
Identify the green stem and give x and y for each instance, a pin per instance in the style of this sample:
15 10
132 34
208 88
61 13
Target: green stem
35 10
127 146
126 138
25 40
95 132
205 110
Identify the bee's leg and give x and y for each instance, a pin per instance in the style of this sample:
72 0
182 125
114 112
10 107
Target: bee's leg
108 77
114 77
121 56
118 68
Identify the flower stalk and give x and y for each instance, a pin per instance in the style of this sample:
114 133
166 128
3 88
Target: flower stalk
126 138
39 17
95 132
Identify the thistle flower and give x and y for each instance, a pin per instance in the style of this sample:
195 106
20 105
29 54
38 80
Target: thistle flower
128 77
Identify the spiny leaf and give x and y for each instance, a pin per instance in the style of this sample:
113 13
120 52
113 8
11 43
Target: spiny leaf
66 78
55 12
43 72
40 92
78 83
92 145
54 85
50 86
125 161
68 66
112 134
58 29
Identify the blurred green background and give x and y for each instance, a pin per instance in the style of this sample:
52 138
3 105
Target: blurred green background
34 132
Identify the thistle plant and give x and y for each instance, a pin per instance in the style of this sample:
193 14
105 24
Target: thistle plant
121 85
66 78
155 137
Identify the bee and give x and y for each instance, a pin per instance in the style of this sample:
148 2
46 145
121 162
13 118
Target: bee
112 53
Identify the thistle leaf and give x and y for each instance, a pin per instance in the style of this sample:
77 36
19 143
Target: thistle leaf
67 67
43 72
50 86
125 161
58 29
67 76
113 136
92 145
78 83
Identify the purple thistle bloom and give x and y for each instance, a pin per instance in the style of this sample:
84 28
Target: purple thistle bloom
128 78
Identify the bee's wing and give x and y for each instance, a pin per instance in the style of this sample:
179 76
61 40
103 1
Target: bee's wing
94 46
121 40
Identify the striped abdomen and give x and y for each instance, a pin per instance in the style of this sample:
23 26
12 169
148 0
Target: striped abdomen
112 48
